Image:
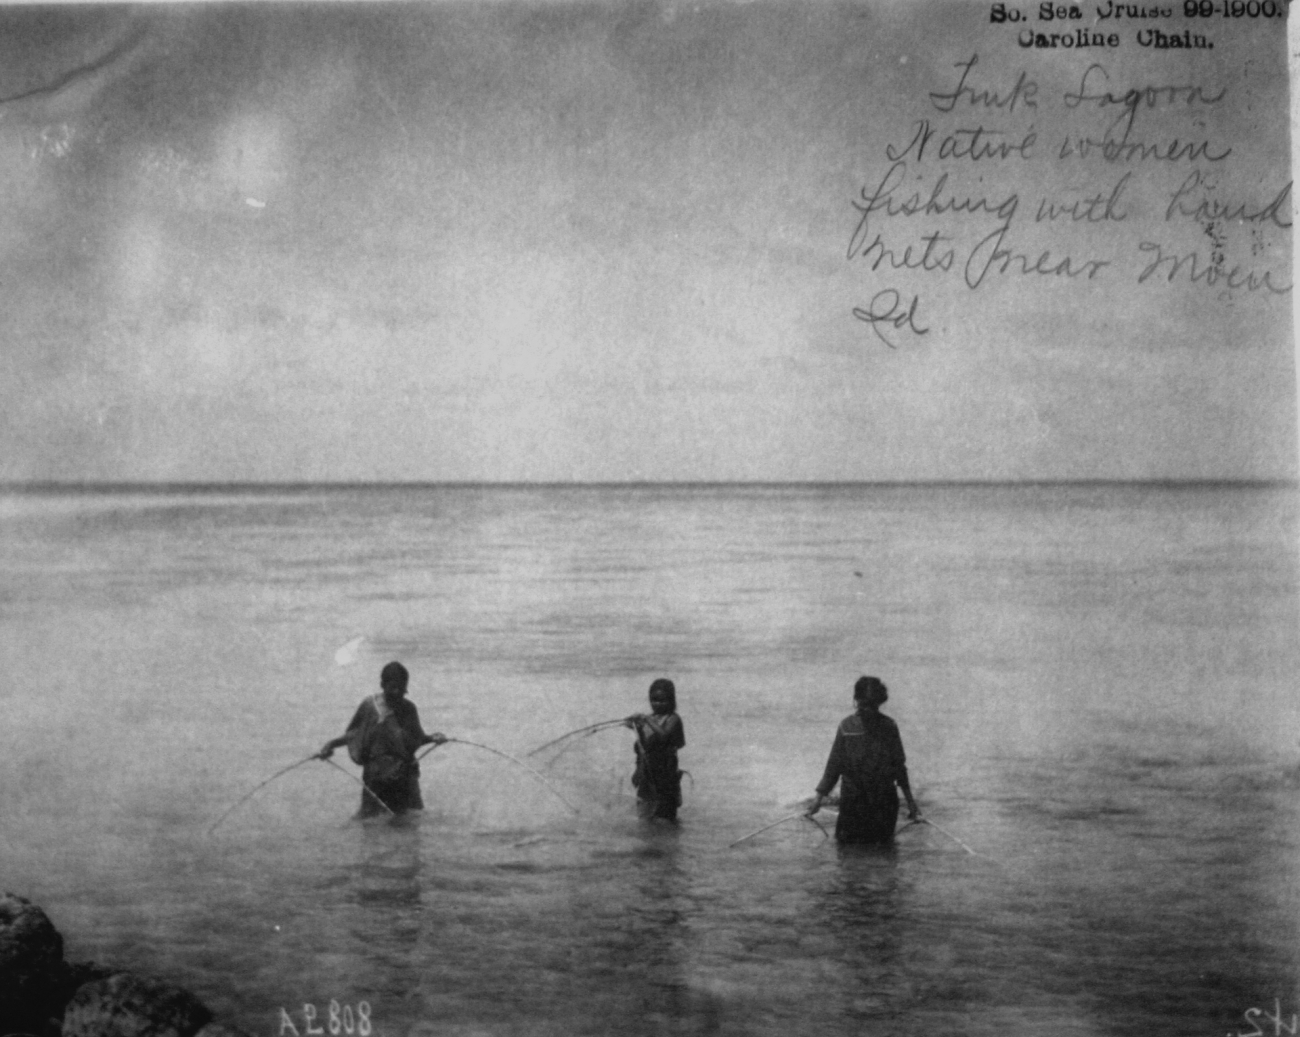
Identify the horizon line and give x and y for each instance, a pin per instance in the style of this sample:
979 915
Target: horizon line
254 485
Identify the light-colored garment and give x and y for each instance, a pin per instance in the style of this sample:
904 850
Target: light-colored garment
382 738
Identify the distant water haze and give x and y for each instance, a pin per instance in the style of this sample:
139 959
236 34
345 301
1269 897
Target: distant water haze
1094 683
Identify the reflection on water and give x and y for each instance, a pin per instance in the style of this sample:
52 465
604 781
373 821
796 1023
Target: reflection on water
385 886
860 909
1095 686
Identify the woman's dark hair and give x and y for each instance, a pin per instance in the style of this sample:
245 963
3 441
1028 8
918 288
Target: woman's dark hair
870 690
663 684
394 675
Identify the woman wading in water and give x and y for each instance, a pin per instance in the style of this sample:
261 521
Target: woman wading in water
657 778
384 733
867 756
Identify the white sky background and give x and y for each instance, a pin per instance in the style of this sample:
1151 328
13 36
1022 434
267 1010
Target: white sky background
561 242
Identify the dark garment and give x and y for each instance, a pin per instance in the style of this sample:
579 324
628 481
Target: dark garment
657 779
383 738
868 757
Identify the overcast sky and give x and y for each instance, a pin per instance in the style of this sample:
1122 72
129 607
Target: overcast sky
609 242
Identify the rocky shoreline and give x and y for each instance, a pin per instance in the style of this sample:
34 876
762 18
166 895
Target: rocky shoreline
41 995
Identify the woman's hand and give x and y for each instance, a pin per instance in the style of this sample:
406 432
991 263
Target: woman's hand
437 738
816 804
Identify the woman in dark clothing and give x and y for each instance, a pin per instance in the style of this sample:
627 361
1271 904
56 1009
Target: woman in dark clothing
658 737
868 756
384 733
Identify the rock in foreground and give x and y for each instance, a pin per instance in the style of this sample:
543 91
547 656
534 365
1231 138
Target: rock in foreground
31 966
124 1005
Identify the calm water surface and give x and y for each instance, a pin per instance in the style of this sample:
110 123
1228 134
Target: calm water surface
1095 686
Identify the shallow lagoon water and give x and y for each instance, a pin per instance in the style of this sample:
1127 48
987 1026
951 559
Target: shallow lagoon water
1095 686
